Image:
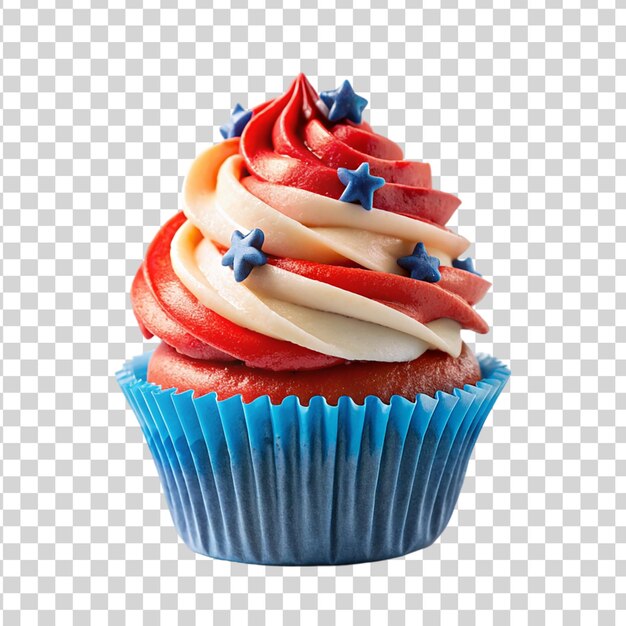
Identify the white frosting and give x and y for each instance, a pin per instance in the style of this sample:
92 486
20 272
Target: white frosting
287 306
305 225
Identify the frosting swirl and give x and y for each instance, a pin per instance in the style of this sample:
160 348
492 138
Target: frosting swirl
332 288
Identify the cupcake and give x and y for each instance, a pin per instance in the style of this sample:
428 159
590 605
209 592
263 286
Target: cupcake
311 401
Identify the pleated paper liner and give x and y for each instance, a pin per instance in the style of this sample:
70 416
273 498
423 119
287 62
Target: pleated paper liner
310 485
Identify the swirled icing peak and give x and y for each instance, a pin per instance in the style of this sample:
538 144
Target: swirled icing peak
315 281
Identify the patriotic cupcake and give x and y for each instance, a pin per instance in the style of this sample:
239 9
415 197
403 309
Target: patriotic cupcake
311 401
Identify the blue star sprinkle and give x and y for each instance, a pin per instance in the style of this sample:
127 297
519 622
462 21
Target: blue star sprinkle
421 265
465 264
245 253
360 185
344 103
239 117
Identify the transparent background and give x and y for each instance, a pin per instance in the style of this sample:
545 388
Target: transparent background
520 111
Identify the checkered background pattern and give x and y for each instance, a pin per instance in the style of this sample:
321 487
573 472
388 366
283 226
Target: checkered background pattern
520 111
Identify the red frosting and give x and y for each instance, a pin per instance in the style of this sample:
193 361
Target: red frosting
433 371
198 322
423 301
290 142
164 307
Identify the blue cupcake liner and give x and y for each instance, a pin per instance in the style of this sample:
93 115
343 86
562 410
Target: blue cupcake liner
286 484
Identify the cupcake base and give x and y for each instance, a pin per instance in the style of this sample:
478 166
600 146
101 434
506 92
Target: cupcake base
320 484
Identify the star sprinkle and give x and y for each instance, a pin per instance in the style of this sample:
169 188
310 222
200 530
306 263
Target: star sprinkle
465 264
421 265
344 103
245 253
360 185
239 117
